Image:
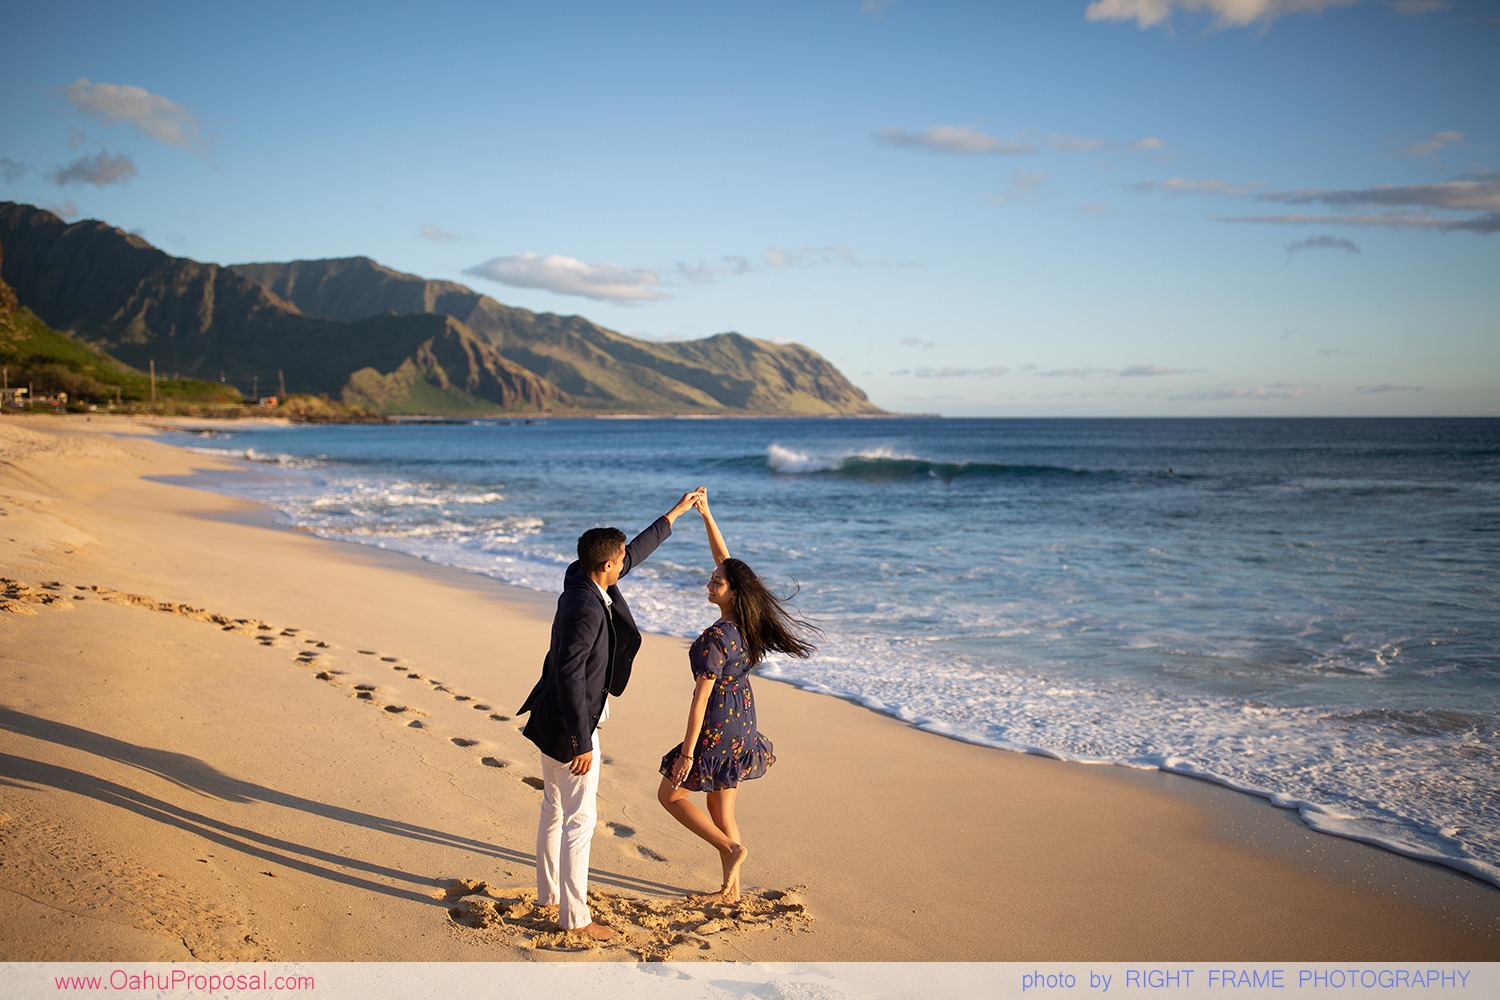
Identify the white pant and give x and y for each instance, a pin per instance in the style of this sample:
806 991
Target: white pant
569 813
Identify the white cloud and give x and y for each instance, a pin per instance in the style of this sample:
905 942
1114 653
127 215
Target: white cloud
925 345
567 276
959 140
1226 13
100 171
1439 142
155 116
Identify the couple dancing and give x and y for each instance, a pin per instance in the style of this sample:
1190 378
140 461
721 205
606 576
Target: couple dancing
594 643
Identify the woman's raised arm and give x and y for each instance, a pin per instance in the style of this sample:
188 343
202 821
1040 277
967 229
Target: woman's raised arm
716 544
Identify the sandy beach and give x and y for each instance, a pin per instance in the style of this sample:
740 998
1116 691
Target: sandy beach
221 740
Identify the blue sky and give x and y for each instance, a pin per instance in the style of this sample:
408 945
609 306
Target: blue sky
1038 207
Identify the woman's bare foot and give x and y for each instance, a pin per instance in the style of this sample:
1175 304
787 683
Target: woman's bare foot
733 861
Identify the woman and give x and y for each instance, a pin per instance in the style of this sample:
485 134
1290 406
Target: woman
721 746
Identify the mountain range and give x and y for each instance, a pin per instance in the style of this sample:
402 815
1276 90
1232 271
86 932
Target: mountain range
395 343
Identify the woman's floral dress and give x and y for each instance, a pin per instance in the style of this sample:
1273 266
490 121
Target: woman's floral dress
730 749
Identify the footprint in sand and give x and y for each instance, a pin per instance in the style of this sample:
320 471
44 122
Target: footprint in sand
626 832
494 762
536 783
500 718
459 741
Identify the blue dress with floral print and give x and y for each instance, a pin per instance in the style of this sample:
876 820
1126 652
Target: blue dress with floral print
730 749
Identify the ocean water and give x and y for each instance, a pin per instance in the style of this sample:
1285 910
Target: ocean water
1307 610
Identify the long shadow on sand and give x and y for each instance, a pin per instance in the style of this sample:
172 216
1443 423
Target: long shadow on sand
203 779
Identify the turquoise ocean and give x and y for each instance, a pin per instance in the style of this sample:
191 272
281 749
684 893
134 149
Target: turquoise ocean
1305 610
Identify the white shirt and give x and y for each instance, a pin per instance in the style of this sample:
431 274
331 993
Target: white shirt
608 603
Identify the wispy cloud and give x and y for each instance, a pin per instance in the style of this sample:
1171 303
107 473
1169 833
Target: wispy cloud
567 276
153 115
778 257
1476 195
1070 372
1130 371
1416 8
1019 186
1322 243
994 371
1178 186
11 170
1063 143
917 342
957 140
964 140
1439 142
1408 206
437 234
100 171
876 8
1274 392
1372 390
773 258
1152 371
1226 13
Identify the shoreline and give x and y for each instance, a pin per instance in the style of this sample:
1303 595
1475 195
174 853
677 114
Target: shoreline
1406 840
1074 862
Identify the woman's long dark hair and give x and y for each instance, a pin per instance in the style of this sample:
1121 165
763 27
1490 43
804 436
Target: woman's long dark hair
762 618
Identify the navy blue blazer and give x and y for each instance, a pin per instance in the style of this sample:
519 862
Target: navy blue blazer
592 651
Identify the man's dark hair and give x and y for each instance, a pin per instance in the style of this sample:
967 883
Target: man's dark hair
597 546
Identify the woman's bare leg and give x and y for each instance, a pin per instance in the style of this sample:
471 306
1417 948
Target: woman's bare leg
721 809
707 826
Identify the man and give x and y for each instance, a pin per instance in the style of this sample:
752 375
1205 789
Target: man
594 642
